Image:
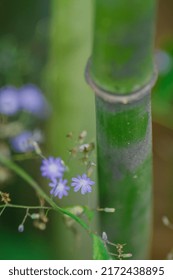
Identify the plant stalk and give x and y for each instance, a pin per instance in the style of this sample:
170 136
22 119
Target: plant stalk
121 73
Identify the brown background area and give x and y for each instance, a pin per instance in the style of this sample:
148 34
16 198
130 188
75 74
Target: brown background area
163 153
163 190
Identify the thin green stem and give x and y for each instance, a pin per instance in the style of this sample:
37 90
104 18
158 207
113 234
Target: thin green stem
4 206
25 217
25 207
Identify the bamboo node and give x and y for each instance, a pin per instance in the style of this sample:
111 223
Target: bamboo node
114 97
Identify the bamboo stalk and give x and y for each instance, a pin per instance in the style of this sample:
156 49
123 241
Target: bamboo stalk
65 83
121 73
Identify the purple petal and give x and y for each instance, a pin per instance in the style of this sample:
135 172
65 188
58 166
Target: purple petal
74 184
77 188
85 189
75 179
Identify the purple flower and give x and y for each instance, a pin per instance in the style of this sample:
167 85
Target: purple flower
82 183
33 101
9 101
23 141
52 168
59 188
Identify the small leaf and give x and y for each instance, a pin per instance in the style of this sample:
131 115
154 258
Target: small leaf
100 251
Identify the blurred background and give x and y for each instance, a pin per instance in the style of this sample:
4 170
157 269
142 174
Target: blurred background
44 46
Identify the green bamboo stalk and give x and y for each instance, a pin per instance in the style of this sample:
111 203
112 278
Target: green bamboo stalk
121 73
68 93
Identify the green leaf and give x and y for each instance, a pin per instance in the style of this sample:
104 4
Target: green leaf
100 251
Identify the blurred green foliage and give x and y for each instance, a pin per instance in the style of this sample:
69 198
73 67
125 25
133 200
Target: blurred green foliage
27 43
162 96
23 53
24 29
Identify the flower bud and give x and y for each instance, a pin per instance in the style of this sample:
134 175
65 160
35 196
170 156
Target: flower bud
21 228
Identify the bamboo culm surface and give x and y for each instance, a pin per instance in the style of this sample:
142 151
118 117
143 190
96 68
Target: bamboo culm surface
121 73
